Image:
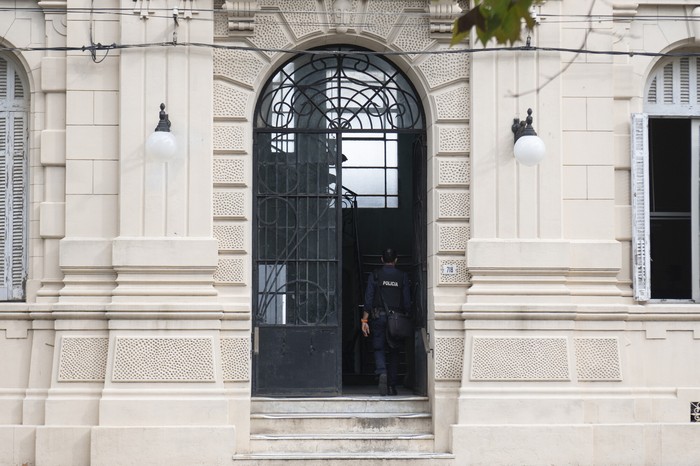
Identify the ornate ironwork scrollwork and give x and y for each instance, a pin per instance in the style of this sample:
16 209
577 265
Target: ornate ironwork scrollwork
337 90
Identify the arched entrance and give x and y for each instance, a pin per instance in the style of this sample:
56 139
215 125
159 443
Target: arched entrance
339 174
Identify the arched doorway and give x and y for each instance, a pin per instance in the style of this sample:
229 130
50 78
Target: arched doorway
339 173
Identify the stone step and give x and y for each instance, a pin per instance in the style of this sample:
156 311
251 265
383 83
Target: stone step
342 404
345 459
307 423
345 443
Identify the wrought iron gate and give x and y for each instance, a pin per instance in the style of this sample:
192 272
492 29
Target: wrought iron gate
302 114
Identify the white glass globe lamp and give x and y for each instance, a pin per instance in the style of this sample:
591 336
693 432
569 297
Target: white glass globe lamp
529 149
161 145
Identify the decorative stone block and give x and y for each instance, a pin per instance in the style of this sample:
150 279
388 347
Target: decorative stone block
414 35
302 17
454 104
453 238
231 271
269 33
444 68
230 102
453 272
235 357
229 172
449 358
385 14
230 237
83 359
228 139
229 204
454 205
520 358
453 140
163 359
237 65
597 359
454 173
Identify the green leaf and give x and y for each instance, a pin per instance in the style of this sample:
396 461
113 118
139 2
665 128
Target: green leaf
495 19
464 24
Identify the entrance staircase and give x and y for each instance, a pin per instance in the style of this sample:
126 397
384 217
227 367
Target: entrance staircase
348 430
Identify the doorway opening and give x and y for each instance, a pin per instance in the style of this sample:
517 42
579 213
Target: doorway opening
340 174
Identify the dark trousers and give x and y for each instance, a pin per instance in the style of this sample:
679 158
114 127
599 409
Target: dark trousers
386 357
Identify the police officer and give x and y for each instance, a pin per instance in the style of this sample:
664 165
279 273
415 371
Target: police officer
386 286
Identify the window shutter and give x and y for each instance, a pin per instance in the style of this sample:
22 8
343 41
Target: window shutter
3 79
685 80
13 183
13 173
640 207
668 83
4 199
19 210
651 95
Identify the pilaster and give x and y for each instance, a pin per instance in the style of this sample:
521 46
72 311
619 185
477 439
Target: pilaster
91 161
543 233
53 152
165 251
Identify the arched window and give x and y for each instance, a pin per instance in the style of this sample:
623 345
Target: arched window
665 184
14 105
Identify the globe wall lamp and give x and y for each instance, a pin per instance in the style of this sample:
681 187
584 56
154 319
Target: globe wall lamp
161 144
528 148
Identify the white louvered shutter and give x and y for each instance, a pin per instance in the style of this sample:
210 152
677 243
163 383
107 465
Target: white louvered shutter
673 87
641 273
13 184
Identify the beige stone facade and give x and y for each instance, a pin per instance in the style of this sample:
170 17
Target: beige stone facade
132 340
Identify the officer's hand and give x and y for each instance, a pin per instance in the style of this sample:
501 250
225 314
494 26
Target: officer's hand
365 329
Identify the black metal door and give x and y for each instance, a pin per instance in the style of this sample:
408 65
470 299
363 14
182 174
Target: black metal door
296 325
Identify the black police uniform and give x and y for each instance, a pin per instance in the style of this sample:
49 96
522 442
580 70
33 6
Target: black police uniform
395 292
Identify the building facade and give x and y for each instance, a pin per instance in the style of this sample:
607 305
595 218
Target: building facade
159 309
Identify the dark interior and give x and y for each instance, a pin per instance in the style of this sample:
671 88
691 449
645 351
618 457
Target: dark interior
669 208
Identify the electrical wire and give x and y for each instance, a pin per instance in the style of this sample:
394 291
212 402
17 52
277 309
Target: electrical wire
165 13
93 48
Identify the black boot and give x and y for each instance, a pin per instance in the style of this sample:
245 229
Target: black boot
392 390
382 385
